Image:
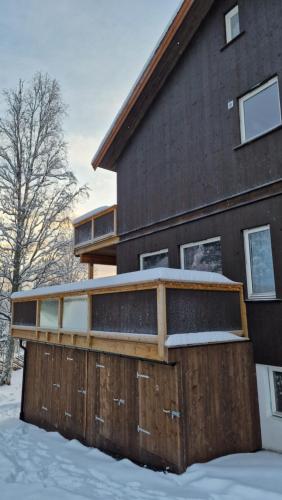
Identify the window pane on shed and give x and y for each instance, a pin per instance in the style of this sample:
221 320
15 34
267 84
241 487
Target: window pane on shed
49 313
75 313
261 262
203 257
262 111
277 379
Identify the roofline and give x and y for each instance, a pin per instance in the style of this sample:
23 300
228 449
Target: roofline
137 90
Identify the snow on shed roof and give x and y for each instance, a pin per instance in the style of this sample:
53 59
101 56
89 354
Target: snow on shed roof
159 273
198 338
87 215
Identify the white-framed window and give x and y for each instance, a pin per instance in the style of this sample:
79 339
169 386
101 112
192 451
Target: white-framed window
259 263
154 259
260 110
202 255
232 24
275 384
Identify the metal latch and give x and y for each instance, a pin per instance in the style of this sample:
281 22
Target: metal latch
81 391
47 354
56 385
99 366
141 375
69 359
140 429
99 419
119 401
44 408
172 413
67 414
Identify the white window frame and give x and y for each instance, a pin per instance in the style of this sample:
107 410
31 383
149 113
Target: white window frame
251 294
272 369
149 254
228 17
248 96
193 244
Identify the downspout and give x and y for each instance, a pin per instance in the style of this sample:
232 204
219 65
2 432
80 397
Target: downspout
23 382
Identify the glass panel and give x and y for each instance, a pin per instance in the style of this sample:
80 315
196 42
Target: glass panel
204 257
262 111
261 262
234 25
75 313
83 233
49 313
158 260
277 379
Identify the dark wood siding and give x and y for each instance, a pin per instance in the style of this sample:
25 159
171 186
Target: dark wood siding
182 155
125 312
264 317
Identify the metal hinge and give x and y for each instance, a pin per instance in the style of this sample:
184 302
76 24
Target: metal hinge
141 375
119 401
56 385
69 359
140 429
44 408
81 391
99 366
67 414
99 419
47 354
172 413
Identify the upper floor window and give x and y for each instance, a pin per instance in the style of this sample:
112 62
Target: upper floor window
259 263
154 259
260 110
202 256
232 25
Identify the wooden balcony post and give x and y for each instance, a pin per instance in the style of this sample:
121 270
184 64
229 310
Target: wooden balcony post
243 313
162 320
90 271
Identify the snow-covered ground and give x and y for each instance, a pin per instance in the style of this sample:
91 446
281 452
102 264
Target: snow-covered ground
36 465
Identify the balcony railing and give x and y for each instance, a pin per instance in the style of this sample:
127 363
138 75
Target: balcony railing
136 314
95 227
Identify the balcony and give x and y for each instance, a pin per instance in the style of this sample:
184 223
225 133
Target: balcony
144 314
95 236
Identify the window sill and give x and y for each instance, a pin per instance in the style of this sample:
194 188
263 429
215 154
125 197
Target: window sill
232 41
250 141
263 299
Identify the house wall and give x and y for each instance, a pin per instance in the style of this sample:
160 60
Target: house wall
264 317
183 154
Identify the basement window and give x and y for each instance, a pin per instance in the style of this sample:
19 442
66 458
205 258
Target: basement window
232 25
259 263
154 259
260 110
202 255
275 380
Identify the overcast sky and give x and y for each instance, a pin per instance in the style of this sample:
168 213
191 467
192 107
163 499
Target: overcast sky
96 50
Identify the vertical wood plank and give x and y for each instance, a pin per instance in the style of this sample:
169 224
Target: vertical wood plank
243 313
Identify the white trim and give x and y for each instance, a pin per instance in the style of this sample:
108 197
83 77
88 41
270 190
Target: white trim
251 294
193 244
149 254
248 96
272 369
233 12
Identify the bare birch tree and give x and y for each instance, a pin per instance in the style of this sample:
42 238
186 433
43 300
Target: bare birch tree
37 190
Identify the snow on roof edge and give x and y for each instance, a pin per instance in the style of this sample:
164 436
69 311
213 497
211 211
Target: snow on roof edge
198 338
89 214
159 273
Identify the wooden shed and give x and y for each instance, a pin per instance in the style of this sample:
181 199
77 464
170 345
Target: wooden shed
153 365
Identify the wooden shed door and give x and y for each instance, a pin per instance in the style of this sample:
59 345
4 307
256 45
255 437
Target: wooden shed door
92 398
117 402
32 388
55 379
45 361
159 423
73 396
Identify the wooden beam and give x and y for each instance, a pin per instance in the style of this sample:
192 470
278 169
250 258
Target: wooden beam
93 258
90 271
243 310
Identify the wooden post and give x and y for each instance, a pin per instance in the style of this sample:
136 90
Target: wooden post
162 320
243 313
90 271
89 318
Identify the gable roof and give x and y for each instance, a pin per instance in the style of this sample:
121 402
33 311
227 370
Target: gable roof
176 39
